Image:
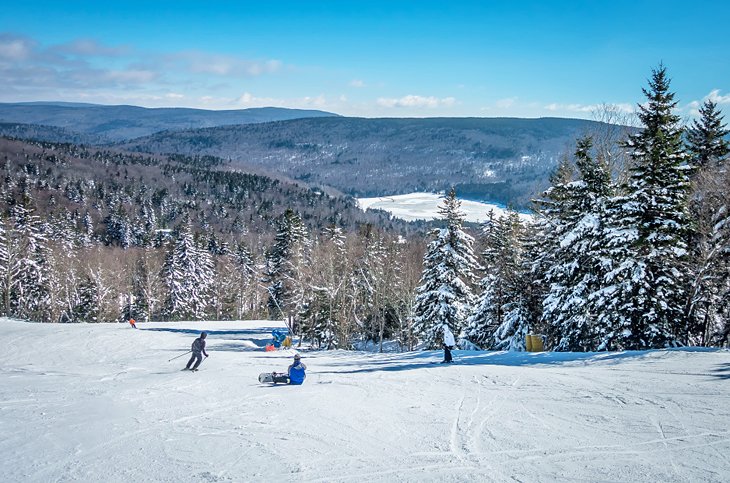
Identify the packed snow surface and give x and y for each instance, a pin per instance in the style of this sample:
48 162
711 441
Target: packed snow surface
425 206
101 402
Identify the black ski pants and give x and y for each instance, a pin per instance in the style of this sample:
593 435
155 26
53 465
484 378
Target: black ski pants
281 378
447 353
197 357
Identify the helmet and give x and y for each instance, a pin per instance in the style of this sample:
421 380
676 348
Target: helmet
203 335
297 357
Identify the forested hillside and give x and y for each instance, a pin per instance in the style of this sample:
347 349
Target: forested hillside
499 159
99 123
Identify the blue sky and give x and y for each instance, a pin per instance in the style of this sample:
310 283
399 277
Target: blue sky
372 59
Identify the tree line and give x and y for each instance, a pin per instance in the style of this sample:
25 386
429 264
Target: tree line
630 255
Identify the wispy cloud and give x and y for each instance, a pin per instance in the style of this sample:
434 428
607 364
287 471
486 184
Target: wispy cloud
717 98
625 108
506 103
91 48
87 68
693 107
15 48
416 101
357 83
198 62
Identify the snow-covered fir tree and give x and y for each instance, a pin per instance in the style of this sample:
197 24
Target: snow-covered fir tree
514 280
88 308
28 273
643 296
707 137
188 276
575 271
247 276
708 303
5 252
444 297
285 264
487 315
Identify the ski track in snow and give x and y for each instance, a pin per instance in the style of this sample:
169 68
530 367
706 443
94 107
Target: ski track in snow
100 402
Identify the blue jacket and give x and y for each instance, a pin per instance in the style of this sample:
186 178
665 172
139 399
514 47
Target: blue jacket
296 373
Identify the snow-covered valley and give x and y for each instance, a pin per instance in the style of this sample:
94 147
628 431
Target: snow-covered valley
425 206
101 402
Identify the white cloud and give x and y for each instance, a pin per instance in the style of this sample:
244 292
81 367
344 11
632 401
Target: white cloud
130 76
90 47
15 48
416 101
506 103
249 100
222 65
588 108
715 97
357 83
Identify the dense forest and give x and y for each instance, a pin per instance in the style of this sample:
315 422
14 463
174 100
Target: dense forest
628 255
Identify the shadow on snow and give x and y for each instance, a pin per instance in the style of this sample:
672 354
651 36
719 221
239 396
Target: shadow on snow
722 371
431 359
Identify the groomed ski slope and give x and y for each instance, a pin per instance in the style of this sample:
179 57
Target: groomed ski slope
93 403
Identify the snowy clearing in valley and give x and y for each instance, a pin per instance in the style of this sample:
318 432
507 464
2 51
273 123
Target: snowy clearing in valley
101 402
424 206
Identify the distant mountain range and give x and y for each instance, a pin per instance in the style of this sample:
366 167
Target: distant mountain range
504 160
99 124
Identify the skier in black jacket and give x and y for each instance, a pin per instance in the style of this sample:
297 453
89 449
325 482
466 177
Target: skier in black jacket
198 348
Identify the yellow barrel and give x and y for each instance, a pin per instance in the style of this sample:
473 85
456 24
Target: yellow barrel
534 343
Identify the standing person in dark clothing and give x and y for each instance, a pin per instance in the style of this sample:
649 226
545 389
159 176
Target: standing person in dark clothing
198 350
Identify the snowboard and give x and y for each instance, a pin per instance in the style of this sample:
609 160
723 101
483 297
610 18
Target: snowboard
265 377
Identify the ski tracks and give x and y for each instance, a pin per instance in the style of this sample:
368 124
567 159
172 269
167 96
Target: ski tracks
471 421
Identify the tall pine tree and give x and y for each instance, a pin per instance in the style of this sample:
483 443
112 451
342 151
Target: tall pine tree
575 272
643 294
449 270
706 138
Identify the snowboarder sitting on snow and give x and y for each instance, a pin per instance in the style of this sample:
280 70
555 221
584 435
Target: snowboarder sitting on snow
296 373
449 344
198 348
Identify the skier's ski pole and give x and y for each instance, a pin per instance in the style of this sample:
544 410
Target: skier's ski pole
180 355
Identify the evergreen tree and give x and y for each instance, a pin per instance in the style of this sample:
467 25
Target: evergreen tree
5 260
284 267
445 294
88 308
487 313
515 280
247 289
575 272
188 277
643 296
706 141
709 242
28 274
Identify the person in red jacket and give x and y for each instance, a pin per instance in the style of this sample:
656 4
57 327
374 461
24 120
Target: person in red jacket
132 322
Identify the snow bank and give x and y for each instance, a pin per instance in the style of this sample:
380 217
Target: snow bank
102 403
